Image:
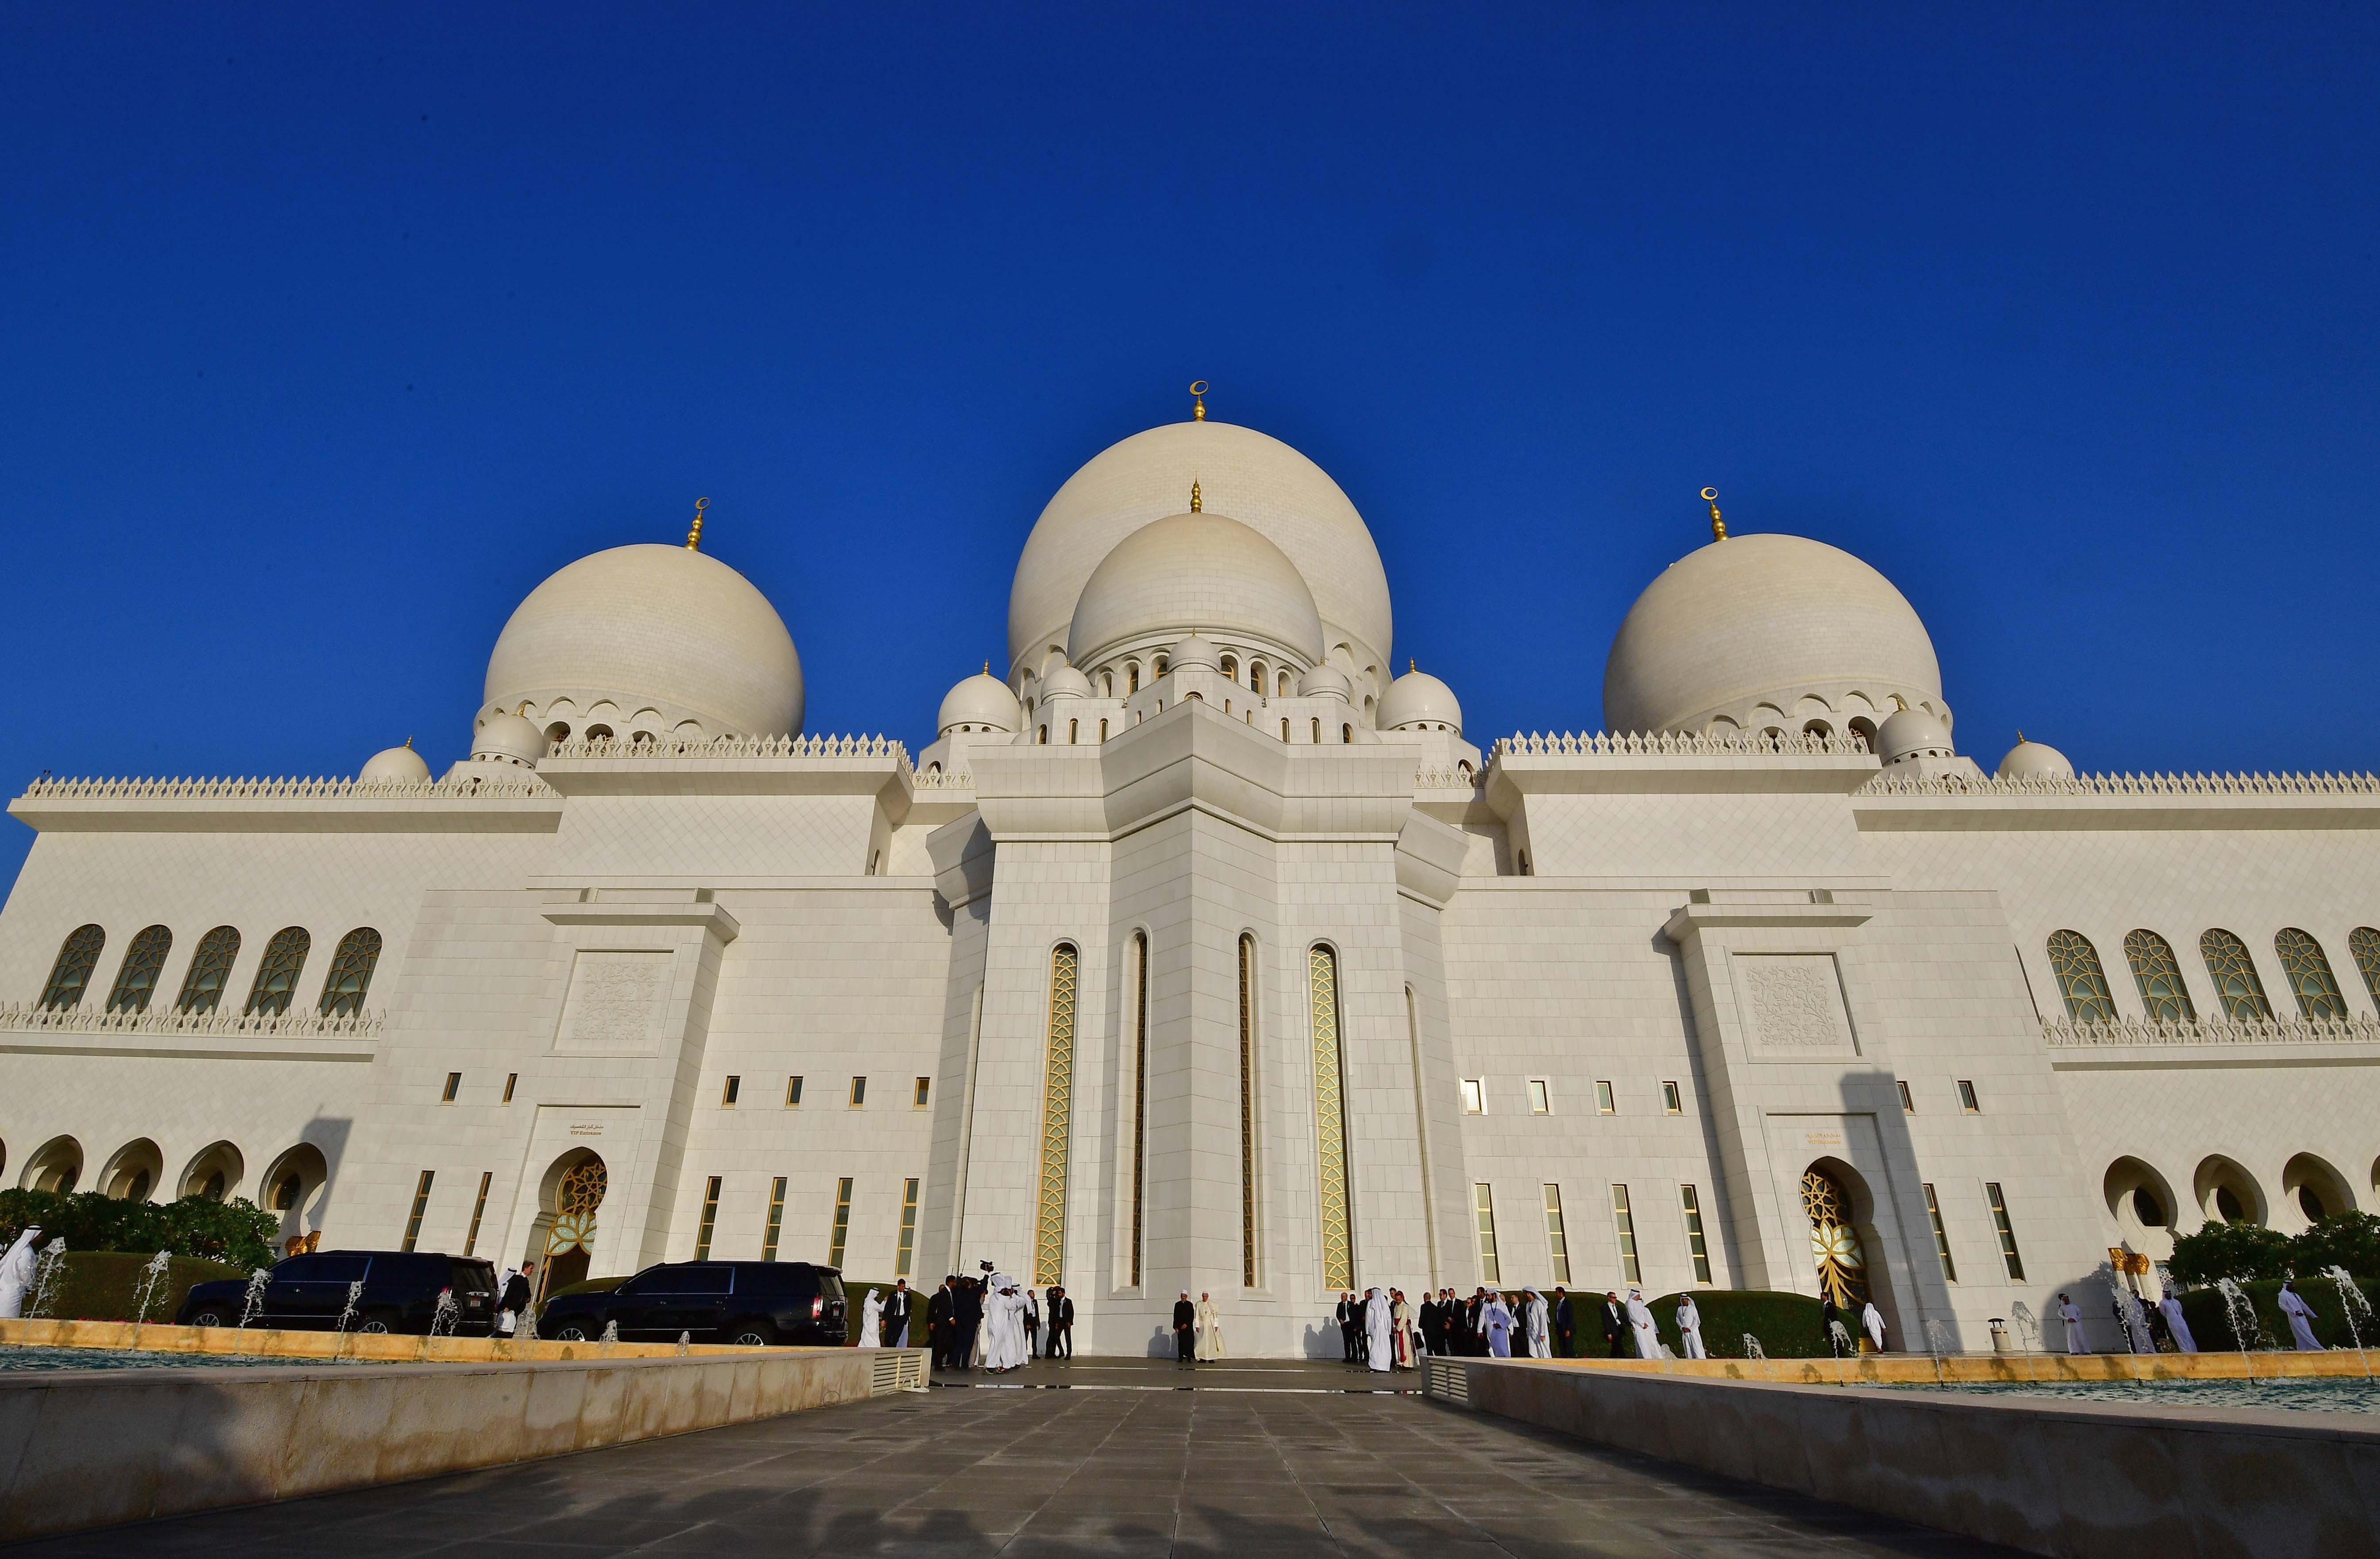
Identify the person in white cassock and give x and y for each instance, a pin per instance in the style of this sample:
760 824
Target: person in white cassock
2170 1308
1690 1327
1496 1320
1210 1327
1872 1322
17 1270
872 1320
2300 1316
1532 1325
1004 1322
2073 1317
1382 1347
1640 1320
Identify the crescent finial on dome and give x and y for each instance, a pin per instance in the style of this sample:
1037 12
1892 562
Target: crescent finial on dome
694 534
1718 525
1197 400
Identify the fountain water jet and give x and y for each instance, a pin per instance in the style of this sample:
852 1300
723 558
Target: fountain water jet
2350 1299
46 1269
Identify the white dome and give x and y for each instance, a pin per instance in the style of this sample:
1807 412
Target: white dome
1194 652
1911 732
1745 629
396 765
1326 682
2033 759
1271 487
507 738
1065 683
663 632
1195 572
980 700
1419 698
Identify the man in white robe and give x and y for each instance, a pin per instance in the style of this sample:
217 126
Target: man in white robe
872 1320
2073 1317
1690 1327
1210 1329
2170 1308
1382 1348
2300 1316
1004 1319
1496 1320
1532 1325
1872 1322
17 1271
1640 1322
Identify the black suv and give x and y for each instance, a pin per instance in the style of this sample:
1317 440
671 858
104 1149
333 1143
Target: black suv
400 1292
751 1303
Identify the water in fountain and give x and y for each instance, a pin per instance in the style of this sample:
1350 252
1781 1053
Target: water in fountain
254 1306
2027 1329
2235 1306
46 1273
611 1336
2352 1300
1751 1348
525 1330
2122 1295
150 1277
355 1297
442 1321
685 1342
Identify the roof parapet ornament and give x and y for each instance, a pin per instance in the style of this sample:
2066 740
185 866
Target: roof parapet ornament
1197 400
694 534
1197 502
1718 525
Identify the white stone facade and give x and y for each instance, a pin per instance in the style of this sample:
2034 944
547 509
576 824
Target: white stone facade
1695 964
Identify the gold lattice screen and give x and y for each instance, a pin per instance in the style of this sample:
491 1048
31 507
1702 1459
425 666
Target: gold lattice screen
1330 1120
1057 1118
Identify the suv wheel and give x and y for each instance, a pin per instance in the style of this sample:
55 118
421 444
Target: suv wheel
375 1325
208 1316
752 1335
571 1333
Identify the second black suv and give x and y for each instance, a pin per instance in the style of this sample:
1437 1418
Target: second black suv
400 1292
751 1303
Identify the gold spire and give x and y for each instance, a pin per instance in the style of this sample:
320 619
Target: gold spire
987 668
1197 400
1410 667
1196 503
1718 525
2020 735
694 536
408 741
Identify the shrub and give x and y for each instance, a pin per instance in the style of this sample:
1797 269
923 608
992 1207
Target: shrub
2239 1250
237 1231
2210 1321
2350 1240
1787 1324
105 1285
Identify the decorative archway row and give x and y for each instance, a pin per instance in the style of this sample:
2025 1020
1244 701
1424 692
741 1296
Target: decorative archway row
2149 1210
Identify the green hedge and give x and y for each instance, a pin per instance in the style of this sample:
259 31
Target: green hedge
237 1231
1787 1324
2210 1322
105 1285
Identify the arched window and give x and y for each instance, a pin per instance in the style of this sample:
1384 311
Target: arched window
2363 942
1045 735
1284 730
1231 667
1160 663
136 982
1329 1117
1257 678
2079 979
2159 978
2306 968
1863 728
1248 1112
1317 733
1346 734
1132 678
2234 973
1103 730
1107 684
1280 681
70 976
208 976
277 971
351 973
1073 733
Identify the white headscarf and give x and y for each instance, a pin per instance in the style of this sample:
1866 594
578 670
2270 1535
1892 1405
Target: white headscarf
18 1262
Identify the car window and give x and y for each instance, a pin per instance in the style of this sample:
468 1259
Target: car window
470 1277
691 1278
832 1285
339 1269
775 1279
299 1269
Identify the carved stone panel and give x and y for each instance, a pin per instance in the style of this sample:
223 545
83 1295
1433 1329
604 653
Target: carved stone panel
617 1004
1794 1005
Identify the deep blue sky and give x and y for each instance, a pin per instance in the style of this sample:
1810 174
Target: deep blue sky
327 335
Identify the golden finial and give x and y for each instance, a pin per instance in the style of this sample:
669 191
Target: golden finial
1718 525
694 536
2020 735
1198 503
1902 705
987 668
1410 667
408 741
1197 400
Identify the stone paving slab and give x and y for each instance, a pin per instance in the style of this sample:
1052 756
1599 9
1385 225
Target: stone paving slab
1065 1473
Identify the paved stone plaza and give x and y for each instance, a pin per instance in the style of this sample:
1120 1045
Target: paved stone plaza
1257 1461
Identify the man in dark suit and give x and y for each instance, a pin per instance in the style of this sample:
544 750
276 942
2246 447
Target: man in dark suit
1185 1331
1351 1324
1061 1325
940 1311
1615 1327
1433 1326
1565 1324
895 1320
967 1314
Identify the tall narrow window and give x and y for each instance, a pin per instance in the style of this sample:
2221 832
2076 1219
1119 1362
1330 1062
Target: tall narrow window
1541 1100
1967 1100
479 1210
1317 733
1057 1118
1139 1092
842 1231
210 972
1941 1236
1671 1099
2079 979
2007 1232
1557 1237
1483 1205
70 976
727 1093
1284 730
1623 1223
351 973
511 1080
793 1093
136 982
2304 965
920 1094
1475 1096
1329 1120
776 1223
859 1098
906 1252
710 1220
453 1087
421 1206
2163 996
1908 1100
2363 942
2234 973
1697 1244
1248 1113
277 971
1604 1102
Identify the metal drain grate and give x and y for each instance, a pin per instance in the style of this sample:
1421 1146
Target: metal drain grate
1449 1378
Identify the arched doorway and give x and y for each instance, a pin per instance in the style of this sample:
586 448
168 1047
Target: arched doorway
1835 1244
293 1191
2144 1207
572 1195
56 1165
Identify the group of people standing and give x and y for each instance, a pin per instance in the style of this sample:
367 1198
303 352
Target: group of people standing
992 1322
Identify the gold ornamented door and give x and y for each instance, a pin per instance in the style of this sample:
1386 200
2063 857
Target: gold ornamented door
1834 1243
570 1245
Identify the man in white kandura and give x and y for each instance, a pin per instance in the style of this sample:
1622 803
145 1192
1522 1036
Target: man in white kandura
1640 1322
1496 1320
2170 1308
1004 1319
2300 1316
1533 1324
1872 1322
17 1270
1382 1353
1210 1327
1690 1327
872 1320
2073 1317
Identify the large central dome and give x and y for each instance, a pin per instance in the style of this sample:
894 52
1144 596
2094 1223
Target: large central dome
1256 480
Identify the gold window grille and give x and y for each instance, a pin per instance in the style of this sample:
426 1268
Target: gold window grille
1697 1242
2234 973
906 1254
576 1202
70 976
2363 943
1623 1225
144 960
1330 1120
1557 1237
277 971
1941 1236
1834 1242
1057 1118
1139 1094
351 971
1483 1209
2080 980
1247 1113
208 976
478 1212
2304 965
2158 974
840 1234
710 1220
421 1207
776 1224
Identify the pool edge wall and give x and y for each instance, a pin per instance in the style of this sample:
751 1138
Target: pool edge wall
2075 1480
85 1449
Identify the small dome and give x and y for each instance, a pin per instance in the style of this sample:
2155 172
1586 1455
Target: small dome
1911 732
1418 698
1195 572
2033 759
507 738
1325 682
1780 621
983 700
396 765
1065 683
1194 652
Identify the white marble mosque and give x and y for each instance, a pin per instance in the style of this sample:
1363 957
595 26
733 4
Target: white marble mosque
1201 949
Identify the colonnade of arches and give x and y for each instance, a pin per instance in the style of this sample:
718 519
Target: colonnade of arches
291 1184
2151 1207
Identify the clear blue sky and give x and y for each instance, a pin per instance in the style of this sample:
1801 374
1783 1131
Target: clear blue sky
330 331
